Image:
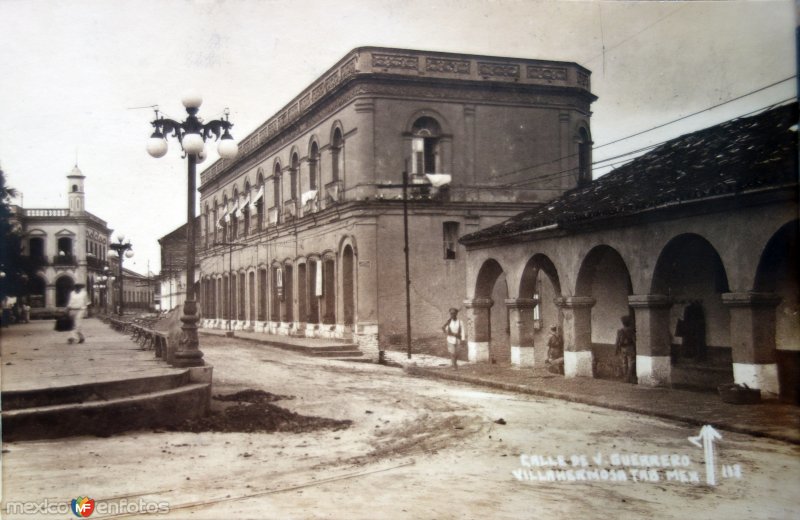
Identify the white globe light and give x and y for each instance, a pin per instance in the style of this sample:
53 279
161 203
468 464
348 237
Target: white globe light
128 254
121 237
193 143
157 146
192 99
228 149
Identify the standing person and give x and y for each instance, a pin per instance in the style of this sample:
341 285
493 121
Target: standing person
76 307
26 312
454 330
626 349
555 351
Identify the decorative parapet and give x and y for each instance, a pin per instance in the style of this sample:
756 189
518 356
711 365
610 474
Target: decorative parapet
403 63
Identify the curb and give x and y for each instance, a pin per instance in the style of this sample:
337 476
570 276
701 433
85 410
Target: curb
582 399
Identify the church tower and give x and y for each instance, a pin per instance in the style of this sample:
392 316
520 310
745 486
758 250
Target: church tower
76 195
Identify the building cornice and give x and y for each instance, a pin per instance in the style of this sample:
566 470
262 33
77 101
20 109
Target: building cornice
472 73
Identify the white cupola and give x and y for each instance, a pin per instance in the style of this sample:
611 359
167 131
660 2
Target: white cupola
75 193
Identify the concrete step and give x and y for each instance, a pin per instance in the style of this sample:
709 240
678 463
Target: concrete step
93 391
103 418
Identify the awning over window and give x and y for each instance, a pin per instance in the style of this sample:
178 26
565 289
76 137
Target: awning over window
309 195
438 180
257 197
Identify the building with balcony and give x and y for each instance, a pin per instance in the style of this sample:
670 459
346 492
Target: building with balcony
62 247
314 201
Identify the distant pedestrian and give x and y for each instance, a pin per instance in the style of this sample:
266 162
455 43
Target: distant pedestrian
555 351
454 330
626 349
76 307
26 312
692 328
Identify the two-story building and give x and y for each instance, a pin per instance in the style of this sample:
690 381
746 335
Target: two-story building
303 233
63 246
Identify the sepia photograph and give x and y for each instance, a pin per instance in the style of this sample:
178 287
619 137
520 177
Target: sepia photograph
429 259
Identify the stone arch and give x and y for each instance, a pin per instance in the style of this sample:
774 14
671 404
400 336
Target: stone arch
64 285
604 277
690 271
777 273
288 291
37 289
491 287
348 284
337 144
540 282
444 124
583 139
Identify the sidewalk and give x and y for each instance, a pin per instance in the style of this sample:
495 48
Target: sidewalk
769 419
34 356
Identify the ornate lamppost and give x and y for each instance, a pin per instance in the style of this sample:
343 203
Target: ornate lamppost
192 134
123 249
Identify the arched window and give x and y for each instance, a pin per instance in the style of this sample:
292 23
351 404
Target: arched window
260 201
584 157
235 215
293 175
425 153
74 188
313 165
36 248
246 208
226 218
276 186
337 145
216 220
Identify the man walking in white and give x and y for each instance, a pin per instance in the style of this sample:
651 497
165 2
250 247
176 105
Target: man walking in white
454 330
76 307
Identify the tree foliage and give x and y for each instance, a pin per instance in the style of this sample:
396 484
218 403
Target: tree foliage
12 282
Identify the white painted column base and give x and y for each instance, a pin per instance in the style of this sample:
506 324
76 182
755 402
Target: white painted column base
653 370
764 377
578 364
522 356
478 351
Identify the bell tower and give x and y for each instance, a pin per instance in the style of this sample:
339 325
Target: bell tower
75 193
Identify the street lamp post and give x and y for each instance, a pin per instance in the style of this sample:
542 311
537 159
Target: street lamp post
123 250
192 134
404 187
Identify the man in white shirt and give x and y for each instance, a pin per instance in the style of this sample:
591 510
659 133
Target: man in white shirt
76 307
454 330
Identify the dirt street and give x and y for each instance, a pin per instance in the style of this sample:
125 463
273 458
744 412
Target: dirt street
416 449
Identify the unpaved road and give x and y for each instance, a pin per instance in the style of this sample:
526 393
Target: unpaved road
417 449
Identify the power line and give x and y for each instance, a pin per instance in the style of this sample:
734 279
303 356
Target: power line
569 171
698 112
525 168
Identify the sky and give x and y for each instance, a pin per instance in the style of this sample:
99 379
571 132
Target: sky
73 75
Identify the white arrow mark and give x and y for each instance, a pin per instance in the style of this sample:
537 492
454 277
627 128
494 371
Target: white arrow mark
708 434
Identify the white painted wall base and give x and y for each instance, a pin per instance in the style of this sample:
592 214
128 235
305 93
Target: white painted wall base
578 364
478 351
522 356
653 370
763 377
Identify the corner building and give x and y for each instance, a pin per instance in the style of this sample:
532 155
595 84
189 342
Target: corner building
302 233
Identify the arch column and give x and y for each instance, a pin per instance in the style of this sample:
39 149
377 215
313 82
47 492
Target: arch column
577 328
653 339
478 328
520 318
753 339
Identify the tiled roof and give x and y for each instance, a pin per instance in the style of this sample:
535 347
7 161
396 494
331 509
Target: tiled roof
736 156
